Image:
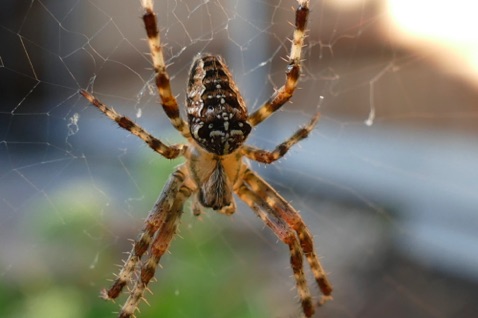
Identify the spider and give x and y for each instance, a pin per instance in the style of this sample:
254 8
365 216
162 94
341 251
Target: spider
216 129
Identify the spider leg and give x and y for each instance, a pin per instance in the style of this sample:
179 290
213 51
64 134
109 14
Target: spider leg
159 246
157 232
157 145
284 93
284 211
265 156
168 101
265 212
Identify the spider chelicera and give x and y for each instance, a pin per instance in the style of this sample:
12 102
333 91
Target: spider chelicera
217 127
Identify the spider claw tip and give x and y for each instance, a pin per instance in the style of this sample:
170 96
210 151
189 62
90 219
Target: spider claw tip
104 295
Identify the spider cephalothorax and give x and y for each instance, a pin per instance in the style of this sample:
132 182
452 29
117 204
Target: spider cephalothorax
214 170
216 111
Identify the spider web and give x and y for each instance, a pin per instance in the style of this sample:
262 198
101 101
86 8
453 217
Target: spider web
387 182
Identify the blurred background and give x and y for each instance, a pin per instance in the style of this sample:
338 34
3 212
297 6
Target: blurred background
387 182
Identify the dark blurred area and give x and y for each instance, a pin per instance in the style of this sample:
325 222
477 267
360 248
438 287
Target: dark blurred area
387 182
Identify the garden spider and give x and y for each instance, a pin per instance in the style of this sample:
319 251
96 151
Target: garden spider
218 125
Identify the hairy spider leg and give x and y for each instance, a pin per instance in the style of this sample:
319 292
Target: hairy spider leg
168 101
162 221
265 212
158 232
284 93
267 157
284 211
154 143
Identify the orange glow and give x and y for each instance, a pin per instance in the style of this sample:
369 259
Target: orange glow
346 4
447 30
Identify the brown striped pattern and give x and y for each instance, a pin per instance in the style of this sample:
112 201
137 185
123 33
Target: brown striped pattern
282 210
283 231
168 101
219 124
284 93
157 145
265 156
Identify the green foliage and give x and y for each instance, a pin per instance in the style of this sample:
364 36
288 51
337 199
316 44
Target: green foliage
78 234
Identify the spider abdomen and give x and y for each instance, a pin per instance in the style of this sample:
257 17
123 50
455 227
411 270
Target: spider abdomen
217 113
